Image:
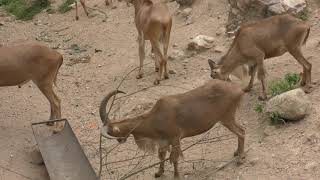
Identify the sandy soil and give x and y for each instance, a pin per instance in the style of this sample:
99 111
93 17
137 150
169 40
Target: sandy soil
291 151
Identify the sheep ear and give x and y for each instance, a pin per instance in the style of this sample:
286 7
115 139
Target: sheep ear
212 64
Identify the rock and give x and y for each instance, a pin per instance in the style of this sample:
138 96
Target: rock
186 12
276 9
171 71
292 105
219 49
310 166
201 42
189 20
253 161
177 55
220 31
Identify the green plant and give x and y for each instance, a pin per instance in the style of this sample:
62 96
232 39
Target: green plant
276 118
65 6
259 108
304 14
288 83
22 10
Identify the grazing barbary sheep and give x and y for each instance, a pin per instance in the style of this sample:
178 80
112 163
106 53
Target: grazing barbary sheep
153 22
175 117
37 63
256 41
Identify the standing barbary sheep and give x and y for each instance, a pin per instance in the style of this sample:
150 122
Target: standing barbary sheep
153 22
175 117
37 63
268 38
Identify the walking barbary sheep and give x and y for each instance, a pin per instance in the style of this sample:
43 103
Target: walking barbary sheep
37 63
175 117
256 41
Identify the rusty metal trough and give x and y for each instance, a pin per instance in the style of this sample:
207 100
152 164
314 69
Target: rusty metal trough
62 154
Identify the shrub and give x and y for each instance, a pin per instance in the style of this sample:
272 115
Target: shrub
22 10
259 108
304 14
288 83
276 118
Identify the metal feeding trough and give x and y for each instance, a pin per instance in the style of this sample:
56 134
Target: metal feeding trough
62 153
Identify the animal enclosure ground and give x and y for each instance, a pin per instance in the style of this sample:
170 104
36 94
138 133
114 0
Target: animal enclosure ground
287 152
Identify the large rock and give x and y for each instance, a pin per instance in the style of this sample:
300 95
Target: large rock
283 6
201 42
292 105
249 10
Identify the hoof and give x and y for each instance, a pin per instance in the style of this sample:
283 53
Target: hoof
236 153
308 88
302 83
262 98
158 174
247 89
77 18
50 123
156 69
156 82
166 77
139 76
240 160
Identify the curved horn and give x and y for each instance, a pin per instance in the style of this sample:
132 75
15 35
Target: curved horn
103 112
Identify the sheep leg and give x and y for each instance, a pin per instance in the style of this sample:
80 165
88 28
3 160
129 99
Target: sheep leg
306 75
162 156
174 156
166 40
156 48
261 76
46 87
141 54
84 7
77 17
239 131
252 71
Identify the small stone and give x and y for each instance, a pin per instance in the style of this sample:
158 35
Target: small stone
186 12
171 71
189 20
254 161
310 166
175 45
201 42
219 49
99 65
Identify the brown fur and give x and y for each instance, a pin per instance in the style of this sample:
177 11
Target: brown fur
153 22
37 63
256 41
179 116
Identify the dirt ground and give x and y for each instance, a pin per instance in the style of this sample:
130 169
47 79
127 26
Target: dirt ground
291 151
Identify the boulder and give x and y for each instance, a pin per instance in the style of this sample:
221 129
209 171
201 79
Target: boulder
201 42
283 6
291 105
249 10
186 12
